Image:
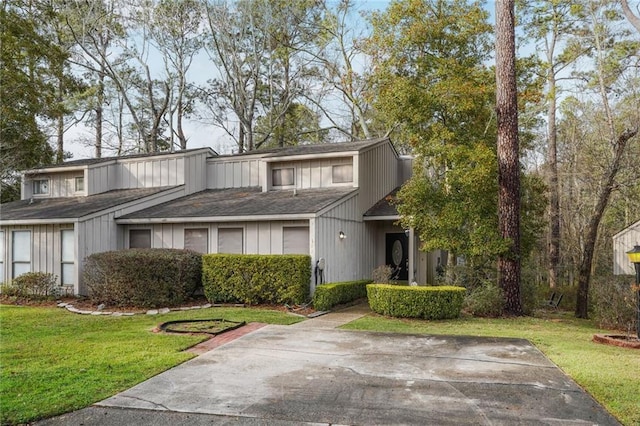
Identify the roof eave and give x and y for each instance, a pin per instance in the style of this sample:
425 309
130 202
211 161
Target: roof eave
201 219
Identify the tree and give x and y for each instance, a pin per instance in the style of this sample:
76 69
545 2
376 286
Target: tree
549 22
176 33
631 17
433 88
26 93
611 55
508 155
259 49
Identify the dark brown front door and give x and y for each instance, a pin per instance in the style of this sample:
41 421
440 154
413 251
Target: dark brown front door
397 250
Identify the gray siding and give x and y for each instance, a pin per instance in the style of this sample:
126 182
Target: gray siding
379 173
60 185
101 178
622 243
258 237
314 173
46 254
233 173
349 259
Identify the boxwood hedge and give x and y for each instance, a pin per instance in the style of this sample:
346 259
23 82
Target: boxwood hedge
332 294
143 277
441 302
255 279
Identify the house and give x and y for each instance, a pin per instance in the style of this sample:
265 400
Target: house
624 241
329 201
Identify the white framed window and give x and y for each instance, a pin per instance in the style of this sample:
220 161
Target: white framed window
295 240
21 253
230 240
41 186
283 177
197 240
67 257
2 278
79 184
342 173
140 238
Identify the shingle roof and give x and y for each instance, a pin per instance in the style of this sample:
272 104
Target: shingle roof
243 202
91 161
322 148
71 207
384 207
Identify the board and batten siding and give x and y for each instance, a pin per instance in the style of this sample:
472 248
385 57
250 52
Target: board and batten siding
379 173
46 249
352 258
60 185
101 178
233 173
313 173
624 241
264 237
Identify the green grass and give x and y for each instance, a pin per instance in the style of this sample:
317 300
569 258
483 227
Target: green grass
610 374
53 361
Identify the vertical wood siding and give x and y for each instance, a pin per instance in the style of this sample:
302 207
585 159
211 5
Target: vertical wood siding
349 259
622 243
314 173
46 250
233 173
60 185
378 174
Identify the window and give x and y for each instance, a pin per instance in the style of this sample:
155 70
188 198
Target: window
295 240
21 252
282 177
230 240
79 184
41 186
342 173
67 256
140 238
197 240
2 278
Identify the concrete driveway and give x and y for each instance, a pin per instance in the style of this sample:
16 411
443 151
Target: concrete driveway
312 373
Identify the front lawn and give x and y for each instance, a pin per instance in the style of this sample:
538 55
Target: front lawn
610 374
53 361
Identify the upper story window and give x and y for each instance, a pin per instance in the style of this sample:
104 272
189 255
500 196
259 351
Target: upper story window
283 177
342 173
79 184
41 186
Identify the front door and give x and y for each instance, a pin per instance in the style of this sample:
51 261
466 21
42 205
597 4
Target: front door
397 250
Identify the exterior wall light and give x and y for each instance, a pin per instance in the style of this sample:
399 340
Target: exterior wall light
634 257
341 235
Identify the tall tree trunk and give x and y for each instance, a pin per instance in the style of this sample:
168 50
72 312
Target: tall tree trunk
633 19
508 156
554 198
584 273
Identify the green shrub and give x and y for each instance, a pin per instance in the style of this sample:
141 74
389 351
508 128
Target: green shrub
487 300
146 278
32 285
332 294
430 302
255 279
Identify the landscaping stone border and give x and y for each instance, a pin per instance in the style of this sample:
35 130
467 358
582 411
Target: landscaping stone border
99 311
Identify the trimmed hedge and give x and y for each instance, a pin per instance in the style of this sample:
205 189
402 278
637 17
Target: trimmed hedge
148 278
441 302
332 294
255 279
